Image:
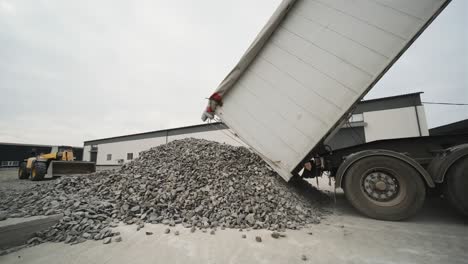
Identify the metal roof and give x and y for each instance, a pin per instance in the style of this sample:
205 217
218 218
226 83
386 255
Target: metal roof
459 127
391 102
163 132
33 145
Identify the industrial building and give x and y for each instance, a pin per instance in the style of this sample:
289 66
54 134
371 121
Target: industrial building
12 153
456 128
384 118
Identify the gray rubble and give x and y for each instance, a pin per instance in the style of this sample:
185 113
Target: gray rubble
275 235
196 183
3 215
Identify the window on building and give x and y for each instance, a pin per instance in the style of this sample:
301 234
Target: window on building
129 156
109 156
356 118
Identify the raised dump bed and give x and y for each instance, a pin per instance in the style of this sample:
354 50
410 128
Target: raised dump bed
312 62
298 83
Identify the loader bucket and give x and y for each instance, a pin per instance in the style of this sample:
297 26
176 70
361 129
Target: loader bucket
58 168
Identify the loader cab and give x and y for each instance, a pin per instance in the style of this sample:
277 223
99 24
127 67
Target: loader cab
63 153
56 149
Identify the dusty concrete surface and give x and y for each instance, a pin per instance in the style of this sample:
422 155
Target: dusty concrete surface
16 231
9 181
436 235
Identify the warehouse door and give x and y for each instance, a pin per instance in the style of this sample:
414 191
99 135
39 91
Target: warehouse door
93 153
93 157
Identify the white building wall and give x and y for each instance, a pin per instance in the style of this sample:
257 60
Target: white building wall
384 124
395 123
221 136
119 150
87 153
423 121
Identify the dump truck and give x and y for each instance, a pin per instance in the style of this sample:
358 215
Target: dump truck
60 161
300 80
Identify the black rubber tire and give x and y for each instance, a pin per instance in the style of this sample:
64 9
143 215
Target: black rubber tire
39 171
23 171
410 198
456 186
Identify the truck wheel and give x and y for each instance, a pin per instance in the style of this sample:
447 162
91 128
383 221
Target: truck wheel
38 171
23 171
456 186
384 188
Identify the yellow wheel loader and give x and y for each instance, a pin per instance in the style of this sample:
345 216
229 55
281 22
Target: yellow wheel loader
60 161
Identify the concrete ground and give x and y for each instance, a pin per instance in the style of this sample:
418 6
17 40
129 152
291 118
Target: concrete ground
15 232
435 235
9 179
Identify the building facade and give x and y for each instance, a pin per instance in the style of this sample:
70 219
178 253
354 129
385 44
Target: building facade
383 118
11 154
457 128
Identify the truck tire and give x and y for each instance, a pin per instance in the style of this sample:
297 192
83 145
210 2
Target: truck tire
39 170
384 188
456 186
23 171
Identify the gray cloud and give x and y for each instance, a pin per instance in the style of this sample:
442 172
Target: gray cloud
77 70
436 64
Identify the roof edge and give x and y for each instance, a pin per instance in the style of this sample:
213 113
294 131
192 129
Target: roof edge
391 97
35 145
152 132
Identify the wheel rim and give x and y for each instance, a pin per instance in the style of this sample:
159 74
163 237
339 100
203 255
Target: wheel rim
383 186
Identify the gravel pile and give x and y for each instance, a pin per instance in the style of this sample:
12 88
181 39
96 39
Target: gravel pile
192 182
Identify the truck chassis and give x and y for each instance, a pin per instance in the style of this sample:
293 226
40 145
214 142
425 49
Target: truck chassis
389 179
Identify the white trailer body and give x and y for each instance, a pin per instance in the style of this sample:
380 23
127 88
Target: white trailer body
313 61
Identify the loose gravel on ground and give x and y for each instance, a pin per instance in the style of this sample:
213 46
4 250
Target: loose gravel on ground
195 183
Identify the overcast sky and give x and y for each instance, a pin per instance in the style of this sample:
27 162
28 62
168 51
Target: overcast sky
79 70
